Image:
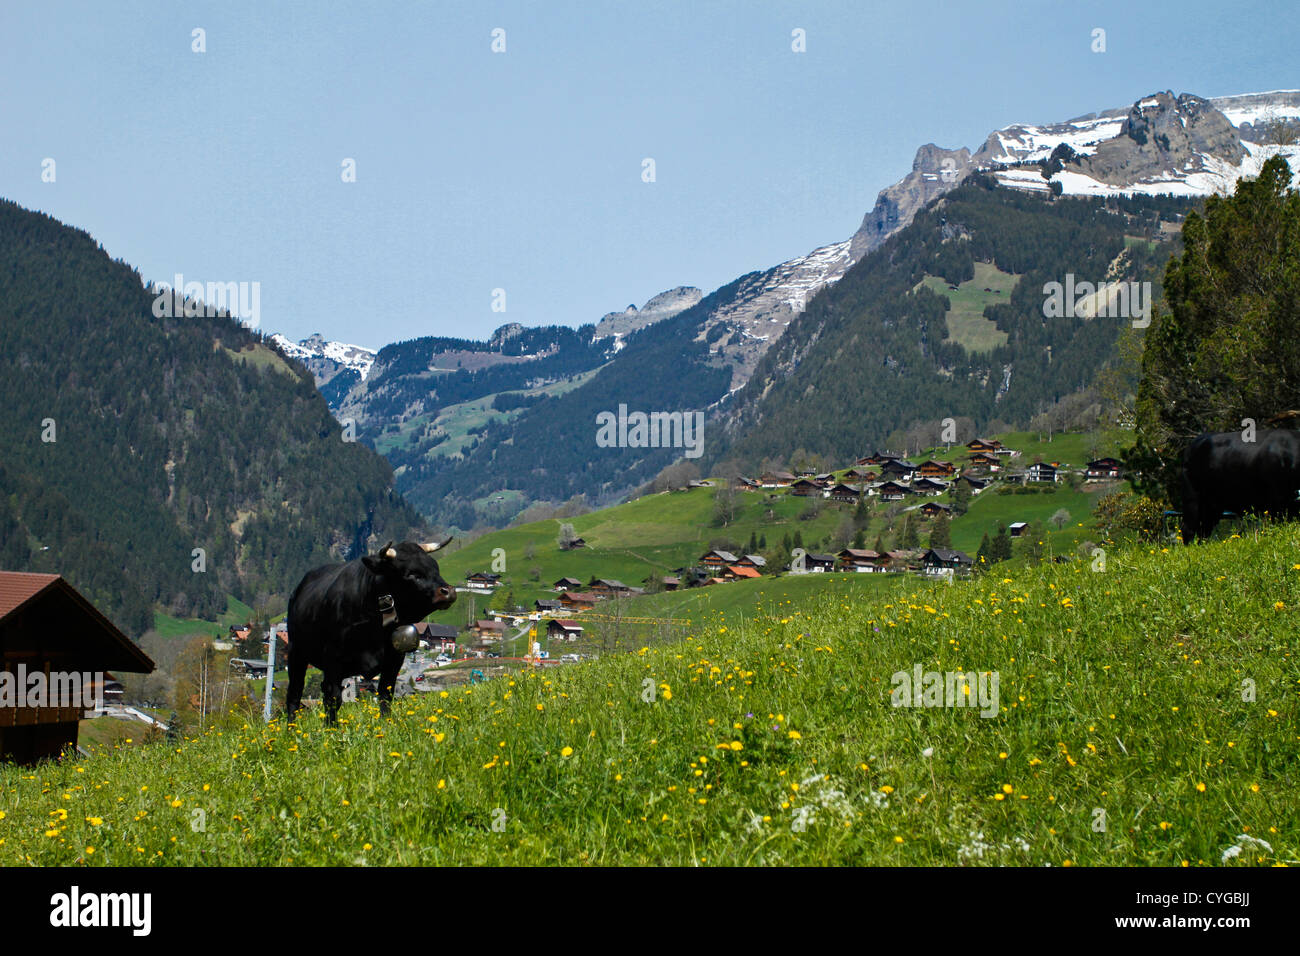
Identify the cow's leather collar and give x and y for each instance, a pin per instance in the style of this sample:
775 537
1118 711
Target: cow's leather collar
387 609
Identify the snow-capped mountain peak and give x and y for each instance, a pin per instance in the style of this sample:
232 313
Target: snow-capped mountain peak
331 357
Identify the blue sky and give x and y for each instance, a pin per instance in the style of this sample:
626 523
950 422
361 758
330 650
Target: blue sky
522 170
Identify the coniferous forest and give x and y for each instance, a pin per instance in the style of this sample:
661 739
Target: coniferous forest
163 460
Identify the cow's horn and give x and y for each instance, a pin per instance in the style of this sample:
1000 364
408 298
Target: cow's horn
431 546
389 550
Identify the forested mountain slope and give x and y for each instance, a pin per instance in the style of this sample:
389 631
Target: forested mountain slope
168 435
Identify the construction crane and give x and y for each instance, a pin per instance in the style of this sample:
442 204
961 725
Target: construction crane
631 620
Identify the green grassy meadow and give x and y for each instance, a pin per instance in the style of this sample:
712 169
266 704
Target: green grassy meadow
237 612
967 325
1145 715
627 542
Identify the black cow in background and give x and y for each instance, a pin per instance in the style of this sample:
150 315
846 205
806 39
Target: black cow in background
342 619
1222 472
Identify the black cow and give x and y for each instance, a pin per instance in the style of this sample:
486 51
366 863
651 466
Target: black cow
1221 472
342 619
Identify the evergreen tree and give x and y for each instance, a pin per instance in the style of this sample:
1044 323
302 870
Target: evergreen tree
859 539
908 537
941 533
982 556
762 542
879 546
861 514
798 539
1034 548
1000 549
1225 346
753 543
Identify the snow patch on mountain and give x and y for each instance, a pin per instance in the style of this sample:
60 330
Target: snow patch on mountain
315 348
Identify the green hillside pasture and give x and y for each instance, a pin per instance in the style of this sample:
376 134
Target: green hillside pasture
1075 449
967 325
237 612
988 509
655 533
671 615
458 419
1122 698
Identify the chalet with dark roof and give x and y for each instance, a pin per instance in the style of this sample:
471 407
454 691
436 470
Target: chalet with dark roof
843 492
936 469
805 488
939 560
860 560
1041 471
47 627
1105 468
929 486
561 629
892 491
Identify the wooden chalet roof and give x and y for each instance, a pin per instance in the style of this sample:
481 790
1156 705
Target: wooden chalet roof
42 614
581 598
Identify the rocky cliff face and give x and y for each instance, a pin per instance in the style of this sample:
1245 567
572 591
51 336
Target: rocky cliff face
663 306
935 171
1164 137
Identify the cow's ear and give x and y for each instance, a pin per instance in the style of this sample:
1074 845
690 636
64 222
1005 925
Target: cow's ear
375 563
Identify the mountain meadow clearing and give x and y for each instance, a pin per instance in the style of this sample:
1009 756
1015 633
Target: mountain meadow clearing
1146 714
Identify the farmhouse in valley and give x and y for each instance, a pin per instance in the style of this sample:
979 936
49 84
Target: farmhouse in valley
1042 471
939 560
560 629
1105 468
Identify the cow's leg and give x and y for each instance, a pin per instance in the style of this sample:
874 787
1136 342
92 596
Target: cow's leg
297 677
387 680
1191 522
332 691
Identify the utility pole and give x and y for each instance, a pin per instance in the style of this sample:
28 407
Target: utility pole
270 675
203 684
